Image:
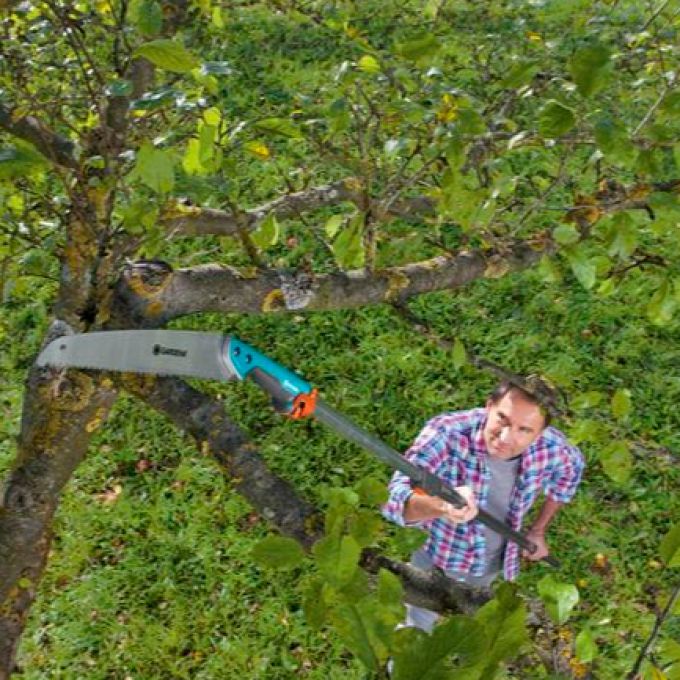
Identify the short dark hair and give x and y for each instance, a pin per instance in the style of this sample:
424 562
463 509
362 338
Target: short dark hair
535 390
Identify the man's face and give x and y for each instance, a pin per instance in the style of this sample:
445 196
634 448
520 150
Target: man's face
512 424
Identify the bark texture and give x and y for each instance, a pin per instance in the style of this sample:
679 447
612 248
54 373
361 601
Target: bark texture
61 412
219 289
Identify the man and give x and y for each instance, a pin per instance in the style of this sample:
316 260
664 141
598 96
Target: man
499 458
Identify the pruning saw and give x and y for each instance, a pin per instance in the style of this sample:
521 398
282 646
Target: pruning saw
214 356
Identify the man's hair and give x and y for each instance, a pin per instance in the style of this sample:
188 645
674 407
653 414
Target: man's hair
535 390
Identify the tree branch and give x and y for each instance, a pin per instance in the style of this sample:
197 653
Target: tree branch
56 148
61 412
195 221
218 289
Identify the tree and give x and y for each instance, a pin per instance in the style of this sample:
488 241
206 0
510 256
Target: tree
402 162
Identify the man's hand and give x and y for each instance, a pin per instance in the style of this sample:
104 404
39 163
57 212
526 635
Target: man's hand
421 506
464 514
542 550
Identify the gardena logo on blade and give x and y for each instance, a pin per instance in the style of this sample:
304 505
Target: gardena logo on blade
159 349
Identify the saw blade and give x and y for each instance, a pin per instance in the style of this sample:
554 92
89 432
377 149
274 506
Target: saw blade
162 352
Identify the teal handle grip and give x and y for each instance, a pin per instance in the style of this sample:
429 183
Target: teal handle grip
244 358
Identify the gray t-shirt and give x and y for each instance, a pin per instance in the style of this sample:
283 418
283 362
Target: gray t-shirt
503 475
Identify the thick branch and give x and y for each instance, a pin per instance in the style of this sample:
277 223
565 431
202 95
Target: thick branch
216 289
205 420
60 414
56 148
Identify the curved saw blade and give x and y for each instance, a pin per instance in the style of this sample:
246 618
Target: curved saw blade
162 352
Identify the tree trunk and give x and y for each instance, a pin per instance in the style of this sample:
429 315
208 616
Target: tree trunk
61 412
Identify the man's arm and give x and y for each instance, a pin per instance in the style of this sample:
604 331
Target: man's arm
537 532
421 507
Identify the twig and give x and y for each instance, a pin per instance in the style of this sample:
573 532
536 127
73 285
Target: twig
655 105
660 618
658 11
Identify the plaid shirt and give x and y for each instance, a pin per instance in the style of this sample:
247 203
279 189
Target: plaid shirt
452 447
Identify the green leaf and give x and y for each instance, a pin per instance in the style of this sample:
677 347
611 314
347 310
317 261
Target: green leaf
419 49
154 167
157 99
621 403
607 287
337 558
147 16
139 216
278 552
587 400
371 491
669 651
340 497
559 598
459 354
390 591
648 162
191 161
613 139
369 64
585 430
662 305
470 122
589 67
278 127
20 160
422 657
338 116
267 233
431 9
314 603
617 461
206 144
670 547
584 268
662 201
354 628
566 234
365 526
168 55
212 117
348 246
36 262
521 73
504 621
586 647
332 225
622 236
555 119
548 270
